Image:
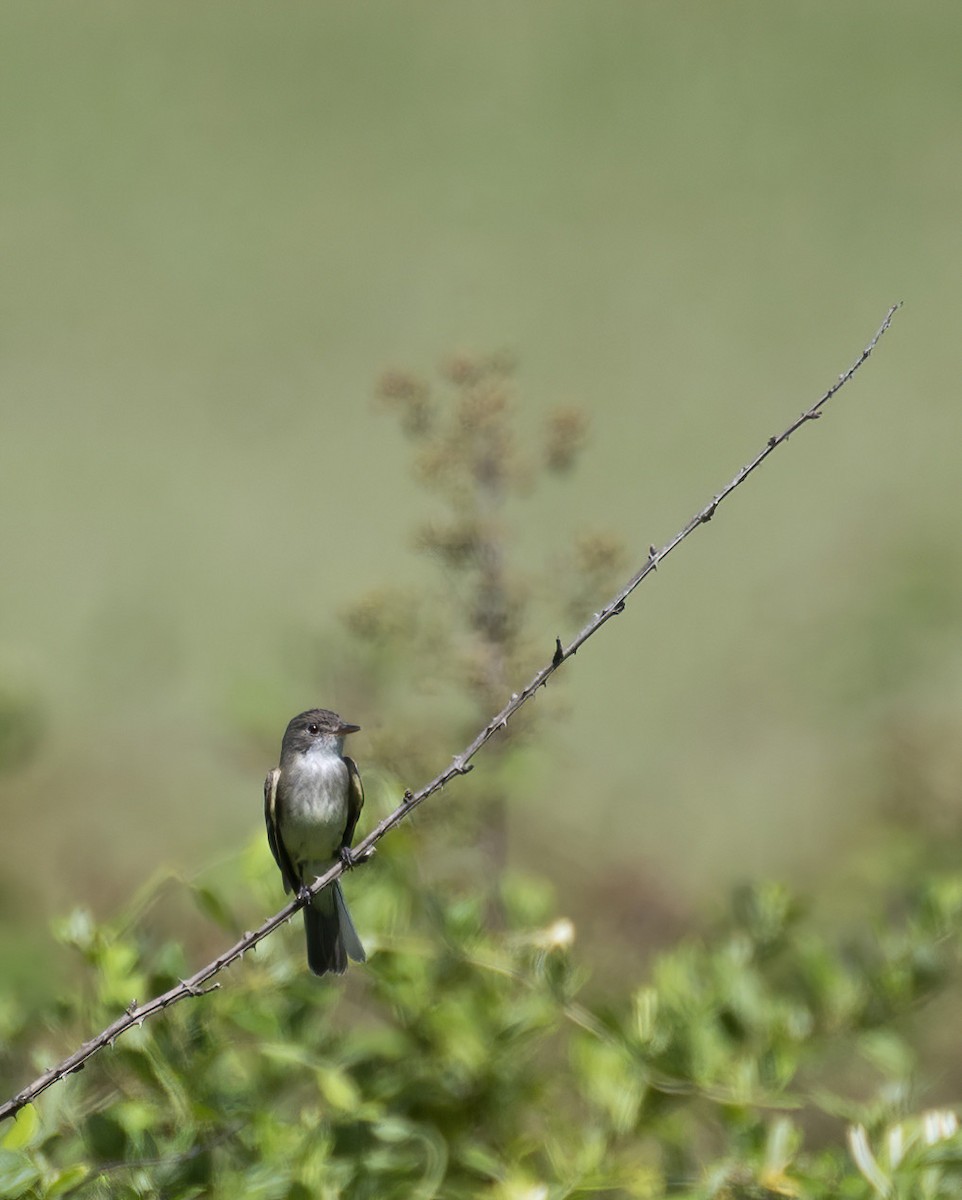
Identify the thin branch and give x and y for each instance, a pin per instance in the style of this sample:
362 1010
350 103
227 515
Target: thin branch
136 1013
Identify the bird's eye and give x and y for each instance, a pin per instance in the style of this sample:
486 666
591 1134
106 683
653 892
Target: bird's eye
314 729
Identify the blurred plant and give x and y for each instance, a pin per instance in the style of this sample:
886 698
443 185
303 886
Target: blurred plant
440 661
914 1156
463 1062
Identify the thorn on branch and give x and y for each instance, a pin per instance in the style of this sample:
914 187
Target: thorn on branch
653 558
408 796
193 989
619 608
559 654
772 443
709 512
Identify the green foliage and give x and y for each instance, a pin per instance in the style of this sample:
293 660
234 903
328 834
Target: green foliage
764 1057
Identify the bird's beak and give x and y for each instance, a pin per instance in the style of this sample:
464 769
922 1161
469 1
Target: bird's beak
345 728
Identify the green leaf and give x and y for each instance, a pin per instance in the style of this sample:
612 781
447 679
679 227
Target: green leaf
17 1173
105 1136
67 1180
23 1130
339 1090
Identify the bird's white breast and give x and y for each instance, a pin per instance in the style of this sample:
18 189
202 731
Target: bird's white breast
315 806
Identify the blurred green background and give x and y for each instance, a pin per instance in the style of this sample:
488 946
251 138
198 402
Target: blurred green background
222 221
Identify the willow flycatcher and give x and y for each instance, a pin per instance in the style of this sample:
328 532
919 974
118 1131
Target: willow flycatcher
312 801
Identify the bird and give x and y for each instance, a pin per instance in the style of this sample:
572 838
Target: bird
312 801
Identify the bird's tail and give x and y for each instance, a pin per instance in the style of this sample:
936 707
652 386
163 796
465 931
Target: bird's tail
331 936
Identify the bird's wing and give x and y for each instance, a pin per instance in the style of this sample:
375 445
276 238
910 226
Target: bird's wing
274 840
355 800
